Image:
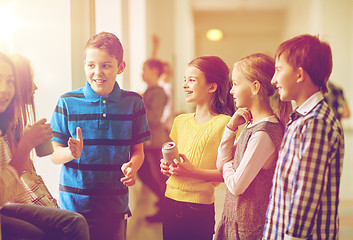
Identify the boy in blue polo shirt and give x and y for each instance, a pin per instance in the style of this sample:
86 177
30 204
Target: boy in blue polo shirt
99 132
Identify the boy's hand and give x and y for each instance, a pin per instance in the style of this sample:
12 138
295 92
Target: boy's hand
76 145
130 174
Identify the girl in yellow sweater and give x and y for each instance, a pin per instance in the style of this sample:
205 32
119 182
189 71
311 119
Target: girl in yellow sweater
188 211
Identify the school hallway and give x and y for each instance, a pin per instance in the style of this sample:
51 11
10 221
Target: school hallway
142 203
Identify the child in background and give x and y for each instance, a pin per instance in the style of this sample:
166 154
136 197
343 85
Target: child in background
35 190
336 101
188 211
26 221
305 192
99 132
155 100
165 82
248 163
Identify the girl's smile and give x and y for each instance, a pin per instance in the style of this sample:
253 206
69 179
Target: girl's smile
195 86
188 92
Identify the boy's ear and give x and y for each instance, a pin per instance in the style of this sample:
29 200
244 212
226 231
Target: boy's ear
300 74
212 88
121 67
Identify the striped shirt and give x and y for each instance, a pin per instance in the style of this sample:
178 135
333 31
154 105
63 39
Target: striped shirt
305 192
110 126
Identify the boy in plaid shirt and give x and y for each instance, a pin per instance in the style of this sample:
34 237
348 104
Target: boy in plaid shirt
305 192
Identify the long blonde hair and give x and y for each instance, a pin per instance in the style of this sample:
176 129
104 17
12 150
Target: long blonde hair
261 67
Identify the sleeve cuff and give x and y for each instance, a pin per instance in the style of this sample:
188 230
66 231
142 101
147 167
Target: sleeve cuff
230 132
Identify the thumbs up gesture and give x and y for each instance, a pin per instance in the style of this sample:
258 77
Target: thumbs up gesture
76 144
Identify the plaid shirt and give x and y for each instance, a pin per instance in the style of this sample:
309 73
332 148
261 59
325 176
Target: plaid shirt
305 192
9 181
31 187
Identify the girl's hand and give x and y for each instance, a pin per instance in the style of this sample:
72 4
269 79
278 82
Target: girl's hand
241 116
36 134
76 145
228 165
165 168
130 174
182 168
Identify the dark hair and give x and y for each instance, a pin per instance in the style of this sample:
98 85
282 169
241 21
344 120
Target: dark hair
8 116
108 42
155 64
311 54
261 67
216 71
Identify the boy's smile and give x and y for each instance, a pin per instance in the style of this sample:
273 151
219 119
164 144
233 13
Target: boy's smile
101 70
285 80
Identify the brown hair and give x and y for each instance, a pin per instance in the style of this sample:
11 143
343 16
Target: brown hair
108 42
25 78
217 71
153 63
311 54
261 67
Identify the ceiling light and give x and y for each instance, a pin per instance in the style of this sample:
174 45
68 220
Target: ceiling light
214 34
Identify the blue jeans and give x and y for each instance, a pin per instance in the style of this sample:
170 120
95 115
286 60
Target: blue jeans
27 221
184 220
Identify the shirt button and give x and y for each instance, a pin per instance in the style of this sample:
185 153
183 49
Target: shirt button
104 115
104 101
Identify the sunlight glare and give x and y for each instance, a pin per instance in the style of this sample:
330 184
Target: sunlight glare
8 23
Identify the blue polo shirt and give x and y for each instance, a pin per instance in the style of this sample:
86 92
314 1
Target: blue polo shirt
110 126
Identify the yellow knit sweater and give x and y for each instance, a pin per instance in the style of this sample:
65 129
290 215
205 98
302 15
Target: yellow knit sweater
199 142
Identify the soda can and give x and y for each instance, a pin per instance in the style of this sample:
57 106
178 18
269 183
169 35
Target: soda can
44 149
170 152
